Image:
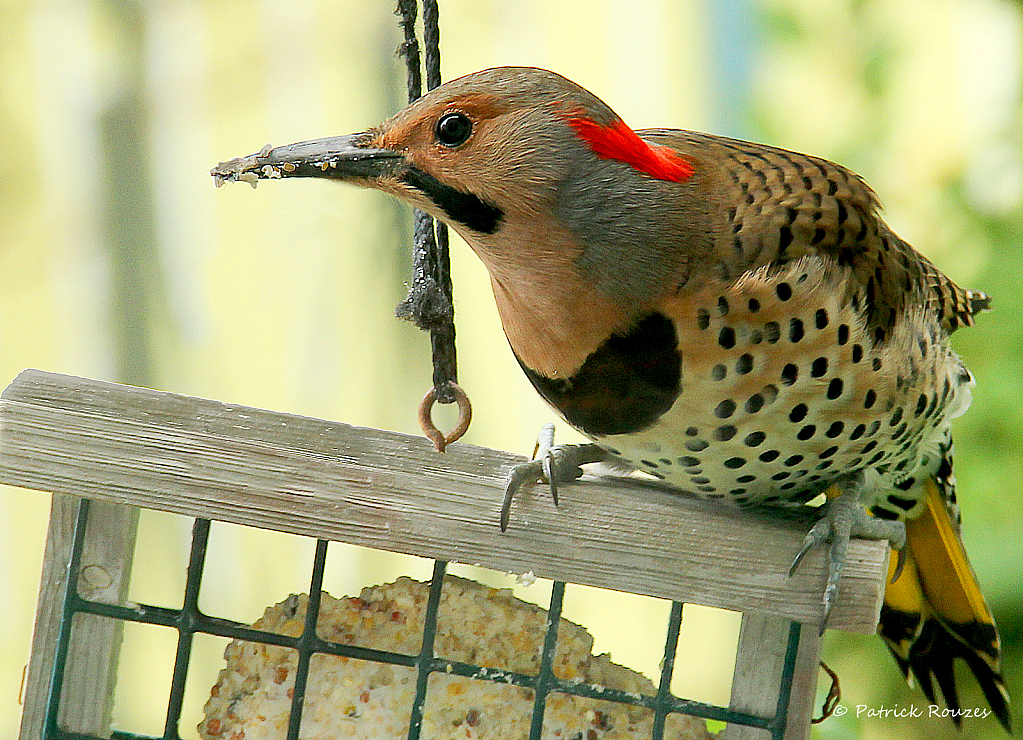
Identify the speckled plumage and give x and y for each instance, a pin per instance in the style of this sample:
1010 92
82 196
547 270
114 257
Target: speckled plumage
813 341
780 398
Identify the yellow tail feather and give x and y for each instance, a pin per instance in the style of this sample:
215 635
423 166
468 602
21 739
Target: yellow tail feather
945 572
935 612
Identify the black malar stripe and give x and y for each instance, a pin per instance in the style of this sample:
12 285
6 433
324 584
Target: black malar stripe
465 208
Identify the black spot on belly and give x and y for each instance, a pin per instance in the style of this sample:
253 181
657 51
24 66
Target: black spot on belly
624 386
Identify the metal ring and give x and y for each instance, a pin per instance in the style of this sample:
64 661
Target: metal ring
439 439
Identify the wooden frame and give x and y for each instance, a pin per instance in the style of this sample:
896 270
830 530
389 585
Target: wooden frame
124 445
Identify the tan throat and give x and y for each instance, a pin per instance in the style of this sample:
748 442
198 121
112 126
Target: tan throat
553 330
553 317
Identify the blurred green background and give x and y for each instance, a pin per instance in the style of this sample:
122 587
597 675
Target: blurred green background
119 260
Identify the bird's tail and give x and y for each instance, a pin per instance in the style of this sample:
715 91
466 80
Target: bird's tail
935 613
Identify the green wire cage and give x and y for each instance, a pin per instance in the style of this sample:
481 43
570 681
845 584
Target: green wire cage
86 440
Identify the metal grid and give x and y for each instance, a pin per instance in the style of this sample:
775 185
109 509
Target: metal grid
189 620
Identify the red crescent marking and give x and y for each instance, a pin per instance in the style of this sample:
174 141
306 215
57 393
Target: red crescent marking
620 142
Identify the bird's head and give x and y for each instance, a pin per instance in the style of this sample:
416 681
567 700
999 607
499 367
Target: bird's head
485 151
538 175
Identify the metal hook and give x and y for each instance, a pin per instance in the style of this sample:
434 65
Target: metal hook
439 439
831 700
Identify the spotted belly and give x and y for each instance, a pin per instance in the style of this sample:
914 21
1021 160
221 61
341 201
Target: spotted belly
783 390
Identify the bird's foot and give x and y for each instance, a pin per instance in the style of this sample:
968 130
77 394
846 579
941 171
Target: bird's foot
551 464
845 518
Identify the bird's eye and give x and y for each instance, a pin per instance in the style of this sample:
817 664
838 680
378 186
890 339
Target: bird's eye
453 129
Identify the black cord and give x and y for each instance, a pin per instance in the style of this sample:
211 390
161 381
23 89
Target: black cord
431 37
429 304
409 50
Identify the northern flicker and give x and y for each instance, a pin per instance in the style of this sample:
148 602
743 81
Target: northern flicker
732 318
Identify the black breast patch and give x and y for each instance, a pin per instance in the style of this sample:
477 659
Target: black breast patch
624 386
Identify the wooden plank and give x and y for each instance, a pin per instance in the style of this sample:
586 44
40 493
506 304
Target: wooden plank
91 674
394 492
87 701
804 685
52 585
759 662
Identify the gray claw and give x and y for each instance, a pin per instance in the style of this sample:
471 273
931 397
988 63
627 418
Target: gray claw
528 472
899 564
551 464
817 535
549 473
845 518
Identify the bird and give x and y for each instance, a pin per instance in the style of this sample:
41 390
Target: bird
732 318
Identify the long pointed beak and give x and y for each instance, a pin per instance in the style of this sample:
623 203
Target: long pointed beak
336 157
